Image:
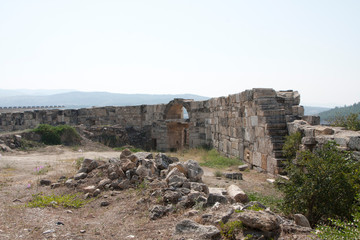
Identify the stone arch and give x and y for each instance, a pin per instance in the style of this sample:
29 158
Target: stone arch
177 125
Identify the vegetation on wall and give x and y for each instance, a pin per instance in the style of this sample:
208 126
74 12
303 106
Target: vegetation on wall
350 122
54 135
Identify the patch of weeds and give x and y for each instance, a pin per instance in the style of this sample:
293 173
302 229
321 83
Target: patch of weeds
142 186
41 170
78 162
270 201
255 208
66 201
239 211
248 237
213 159
9 167
218 173
27 145
62 134
199 206
229 230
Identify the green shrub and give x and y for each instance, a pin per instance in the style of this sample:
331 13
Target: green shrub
323 184
66 201
291 145
213 159
62 134
229 230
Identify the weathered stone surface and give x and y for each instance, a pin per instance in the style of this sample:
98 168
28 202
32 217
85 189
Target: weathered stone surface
103 182
175 178
243 167
89 189
237 194
195 172
171 197
254 203
45 182
157 211
261 220
203 231
162 161
88 165
301 220
233 175
144 155
81 175
179 165
215 197
125 154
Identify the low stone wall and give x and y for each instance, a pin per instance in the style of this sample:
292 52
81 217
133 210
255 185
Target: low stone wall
250 125
317 135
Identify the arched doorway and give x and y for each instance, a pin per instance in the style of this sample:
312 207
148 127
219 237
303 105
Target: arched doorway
177 117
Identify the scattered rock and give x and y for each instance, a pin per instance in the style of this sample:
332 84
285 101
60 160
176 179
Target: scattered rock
237 194
55 185
45 182
88 165
301 220
233 176
270 180
215 197
104 204
49 231
261 220
194 171
157 211
203 231
81 175
243 167
175 178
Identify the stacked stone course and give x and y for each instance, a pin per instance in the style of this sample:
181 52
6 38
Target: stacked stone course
250 125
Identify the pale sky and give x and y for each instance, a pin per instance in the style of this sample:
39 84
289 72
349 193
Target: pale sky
205 47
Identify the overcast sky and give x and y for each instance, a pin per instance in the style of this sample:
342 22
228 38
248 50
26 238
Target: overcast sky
205 47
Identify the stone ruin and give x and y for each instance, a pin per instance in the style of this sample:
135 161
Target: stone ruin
250 125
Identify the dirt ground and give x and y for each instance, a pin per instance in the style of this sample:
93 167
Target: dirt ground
124 218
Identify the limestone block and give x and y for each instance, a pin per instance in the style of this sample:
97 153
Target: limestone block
254 121
237 194
257 159
263 92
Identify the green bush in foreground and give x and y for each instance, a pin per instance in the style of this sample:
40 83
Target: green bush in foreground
231 229
323 184
62 134
66 201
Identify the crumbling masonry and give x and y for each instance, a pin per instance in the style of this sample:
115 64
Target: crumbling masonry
250 125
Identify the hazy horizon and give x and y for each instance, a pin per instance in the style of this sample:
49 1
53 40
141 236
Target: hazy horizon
208 48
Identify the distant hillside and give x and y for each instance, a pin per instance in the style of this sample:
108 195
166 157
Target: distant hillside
339 111
314 111
90 99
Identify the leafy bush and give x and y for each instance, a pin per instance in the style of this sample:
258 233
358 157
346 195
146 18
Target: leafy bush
291 145
350 122
323 184
62 134
230 229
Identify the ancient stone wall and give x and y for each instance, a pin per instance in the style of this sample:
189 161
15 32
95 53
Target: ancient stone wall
250 125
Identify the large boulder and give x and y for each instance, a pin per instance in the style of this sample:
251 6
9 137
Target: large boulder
261 220
194 171
188 226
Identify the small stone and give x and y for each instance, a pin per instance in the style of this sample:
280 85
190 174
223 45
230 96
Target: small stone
233 176
79 176
301 220
104 204
59 223
54 185
49 231
96 192
270 180
45 182
82 231
243 167
69 211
